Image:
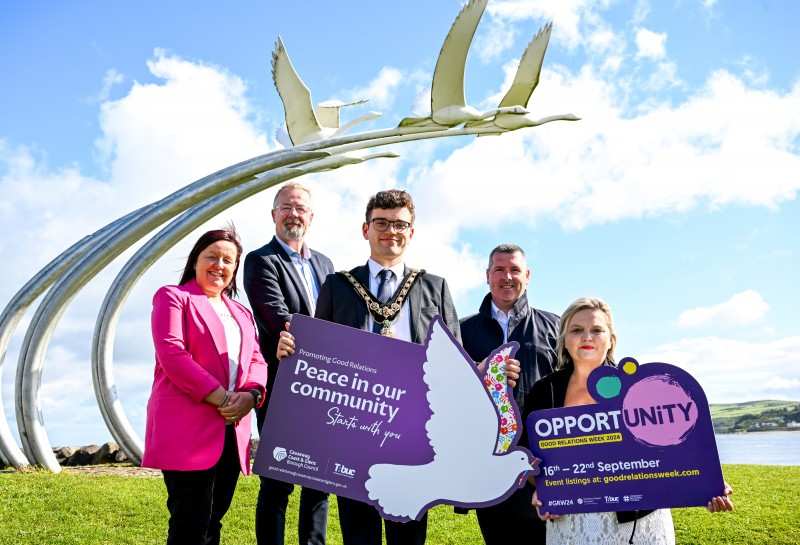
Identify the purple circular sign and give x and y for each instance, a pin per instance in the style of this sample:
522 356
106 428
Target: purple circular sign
658 411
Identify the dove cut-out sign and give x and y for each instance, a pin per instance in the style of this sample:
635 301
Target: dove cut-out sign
647 443
398 425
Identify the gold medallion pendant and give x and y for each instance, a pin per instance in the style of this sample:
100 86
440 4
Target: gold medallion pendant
387 330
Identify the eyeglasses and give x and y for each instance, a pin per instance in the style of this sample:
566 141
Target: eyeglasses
286 209
382 224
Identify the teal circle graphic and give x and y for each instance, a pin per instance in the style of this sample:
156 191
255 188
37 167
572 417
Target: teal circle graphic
609 387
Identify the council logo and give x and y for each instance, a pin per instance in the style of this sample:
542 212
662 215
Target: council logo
279 453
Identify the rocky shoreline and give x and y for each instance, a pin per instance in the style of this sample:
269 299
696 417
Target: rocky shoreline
90 455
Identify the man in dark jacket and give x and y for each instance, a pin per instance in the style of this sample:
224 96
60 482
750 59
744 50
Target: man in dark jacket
505 316
282 278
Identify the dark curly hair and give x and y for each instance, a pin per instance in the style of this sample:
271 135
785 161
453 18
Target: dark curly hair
388 199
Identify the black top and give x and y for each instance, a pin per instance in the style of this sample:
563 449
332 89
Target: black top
550 393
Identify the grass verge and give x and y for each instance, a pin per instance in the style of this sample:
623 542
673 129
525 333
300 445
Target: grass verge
40 507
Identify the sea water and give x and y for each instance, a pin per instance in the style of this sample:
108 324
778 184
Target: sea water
760 448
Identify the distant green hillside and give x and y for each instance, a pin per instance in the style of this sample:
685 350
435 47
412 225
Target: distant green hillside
764 415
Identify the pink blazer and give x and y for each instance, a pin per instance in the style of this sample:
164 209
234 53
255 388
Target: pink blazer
183 432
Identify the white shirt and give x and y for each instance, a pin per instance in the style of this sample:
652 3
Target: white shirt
302 264
402 325
233 338
502 319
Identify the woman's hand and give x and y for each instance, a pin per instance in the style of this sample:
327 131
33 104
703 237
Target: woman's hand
217 397
721 503
537 504
285 344
237 406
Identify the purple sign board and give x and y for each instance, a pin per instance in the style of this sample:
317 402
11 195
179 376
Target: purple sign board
394 424
647 443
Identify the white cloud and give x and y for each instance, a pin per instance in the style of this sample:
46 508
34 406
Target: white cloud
494 41
112 78
747 307
640 12
732 371
625 163
781 384
421 107
572 17
155 139
650 45
177 122
621 161
381 90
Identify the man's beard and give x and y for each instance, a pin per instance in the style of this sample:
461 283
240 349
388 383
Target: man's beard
294 232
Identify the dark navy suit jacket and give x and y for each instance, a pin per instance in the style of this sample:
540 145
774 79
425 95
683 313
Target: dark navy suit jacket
338 302
276 292
535 330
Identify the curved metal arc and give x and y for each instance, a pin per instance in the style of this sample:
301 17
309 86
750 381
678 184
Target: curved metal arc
105 327
18 306
42 327
29 371
111 308
35 287
27 383
400 135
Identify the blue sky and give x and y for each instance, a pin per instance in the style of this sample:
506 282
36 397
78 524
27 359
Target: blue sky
674 198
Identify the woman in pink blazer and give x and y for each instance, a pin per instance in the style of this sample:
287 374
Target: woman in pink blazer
209 375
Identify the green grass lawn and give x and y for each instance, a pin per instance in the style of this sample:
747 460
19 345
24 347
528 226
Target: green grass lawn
39 507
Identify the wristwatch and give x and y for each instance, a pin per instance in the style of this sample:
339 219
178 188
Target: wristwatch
256 395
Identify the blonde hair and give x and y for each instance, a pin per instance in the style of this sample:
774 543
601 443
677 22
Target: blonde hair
583 303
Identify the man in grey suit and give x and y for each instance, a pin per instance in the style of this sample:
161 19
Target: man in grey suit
283 278
389 228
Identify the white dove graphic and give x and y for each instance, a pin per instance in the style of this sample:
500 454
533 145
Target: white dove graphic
462 430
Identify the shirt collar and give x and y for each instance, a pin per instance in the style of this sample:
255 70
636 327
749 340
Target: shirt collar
375 268
497 314
305 253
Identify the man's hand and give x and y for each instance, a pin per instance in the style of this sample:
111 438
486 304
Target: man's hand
285 344
512 371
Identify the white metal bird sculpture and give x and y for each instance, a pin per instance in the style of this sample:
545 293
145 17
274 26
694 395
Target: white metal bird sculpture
465 469
303 123
525 81
448 103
